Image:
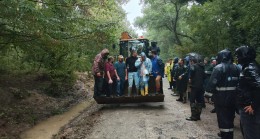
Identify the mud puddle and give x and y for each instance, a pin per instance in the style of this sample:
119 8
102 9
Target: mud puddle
50 127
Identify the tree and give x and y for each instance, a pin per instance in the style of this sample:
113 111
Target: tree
201 26
57 37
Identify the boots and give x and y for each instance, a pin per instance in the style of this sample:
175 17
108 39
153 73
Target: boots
199 107
129 91
175 93
137 92
193 112
213 110
184 100
226 135
181 97
146 90
142 92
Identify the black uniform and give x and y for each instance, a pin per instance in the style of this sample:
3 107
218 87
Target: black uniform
222 83
181 84
197 76
173 72
249 92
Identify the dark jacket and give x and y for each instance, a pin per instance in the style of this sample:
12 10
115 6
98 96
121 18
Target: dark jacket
249 86
224 75
208 70
197 75
130 64
157 66
174 68
181 84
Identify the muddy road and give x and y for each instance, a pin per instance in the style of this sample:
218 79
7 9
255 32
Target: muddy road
164 120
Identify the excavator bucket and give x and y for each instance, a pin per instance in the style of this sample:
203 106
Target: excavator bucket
134 97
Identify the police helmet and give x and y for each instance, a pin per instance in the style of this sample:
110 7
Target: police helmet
154 44
196 58
176 59
245 54
224 56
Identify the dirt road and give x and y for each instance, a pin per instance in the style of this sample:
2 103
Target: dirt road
144 121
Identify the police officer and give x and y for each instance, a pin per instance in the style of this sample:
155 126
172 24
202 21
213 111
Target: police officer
249 92
173 72
222 83
197 76
208 71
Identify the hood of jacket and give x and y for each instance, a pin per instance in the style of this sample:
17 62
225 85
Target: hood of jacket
104 52
143 55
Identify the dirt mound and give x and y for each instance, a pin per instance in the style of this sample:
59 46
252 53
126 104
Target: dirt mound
24 102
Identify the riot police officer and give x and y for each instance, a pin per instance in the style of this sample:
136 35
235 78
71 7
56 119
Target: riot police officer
197 77
249 92
173 72
222 83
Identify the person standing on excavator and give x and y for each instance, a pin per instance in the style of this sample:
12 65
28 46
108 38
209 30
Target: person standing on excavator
98 69
144 66
157 70
132 74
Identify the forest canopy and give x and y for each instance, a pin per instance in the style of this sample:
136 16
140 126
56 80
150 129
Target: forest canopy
204 26
57 37
63 36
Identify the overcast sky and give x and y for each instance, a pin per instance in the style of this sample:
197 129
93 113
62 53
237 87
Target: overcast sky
133 10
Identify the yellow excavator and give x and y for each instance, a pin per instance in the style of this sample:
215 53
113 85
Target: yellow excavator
141 45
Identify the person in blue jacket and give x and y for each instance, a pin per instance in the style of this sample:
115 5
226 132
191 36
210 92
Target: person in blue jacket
157 70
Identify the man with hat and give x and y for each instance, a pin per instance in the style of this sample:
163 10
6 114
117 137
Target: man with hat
121 71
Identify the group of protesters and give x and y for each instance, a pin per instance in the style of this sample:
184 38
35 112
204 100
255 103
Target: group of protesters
232 86
110 77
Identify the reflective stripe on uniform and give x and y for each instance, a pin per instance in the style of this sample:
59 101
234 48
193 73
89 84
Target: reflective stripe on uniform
208 72
234 78
225 88
226 130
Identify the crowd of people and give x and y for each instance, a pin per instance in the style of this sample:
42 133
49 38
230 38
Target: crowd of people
233 86
110 76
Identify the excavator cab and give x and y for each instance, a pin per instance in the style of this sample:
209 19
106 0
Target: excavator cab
127 43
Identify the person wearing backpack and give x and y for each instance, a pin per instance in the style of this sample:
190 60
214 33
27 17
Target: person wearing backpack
157 70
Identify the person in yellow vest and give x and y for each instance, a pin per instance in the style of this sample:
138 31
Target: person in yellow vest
168 68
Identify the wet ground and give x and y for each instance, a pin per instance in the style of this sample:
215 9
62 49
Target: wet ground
164 120
24 102
46 129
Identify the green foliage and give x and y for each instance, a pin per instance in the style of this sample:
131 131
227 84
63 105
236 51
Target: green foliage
58 37
61 82
204 26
